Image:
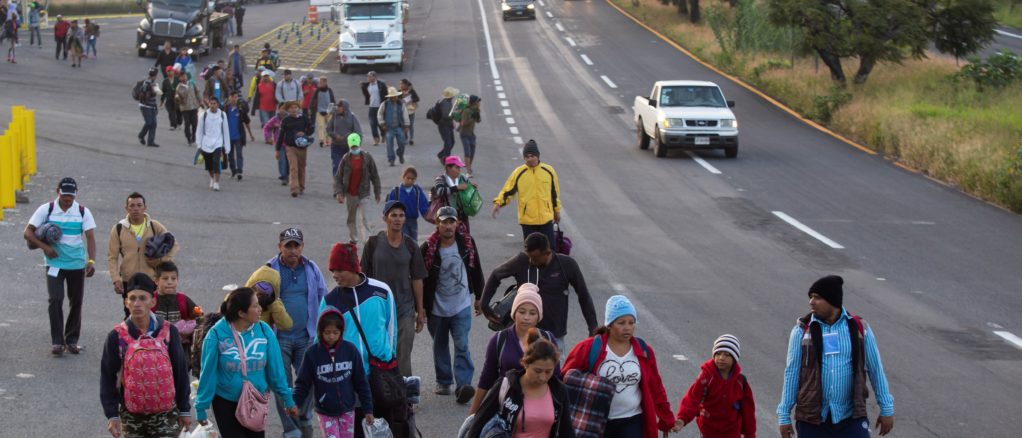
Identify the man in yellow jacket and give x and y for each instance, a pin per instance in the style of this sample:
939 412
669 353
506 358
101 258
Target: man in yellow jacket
539 199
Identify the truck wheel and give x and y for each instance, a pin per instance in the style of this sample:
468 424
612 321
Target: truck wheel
731 151
643 138
400 66
344 68
659 149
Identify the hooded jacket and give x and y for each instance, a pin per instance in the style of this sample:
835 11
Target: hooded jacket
514 401
369 175
656 410
217 135
316 290
373 303
333 375
538 193
340 127
125 254
275 315
221 365
722 408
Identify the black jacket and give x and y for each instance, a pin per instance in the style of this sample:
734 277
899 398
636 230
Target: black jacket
314 102
111 395
553 281
474 273
383 91
515 400
289 128
164 60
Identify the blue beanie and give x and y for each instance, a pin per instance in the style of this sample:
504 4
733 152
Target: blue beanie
618 306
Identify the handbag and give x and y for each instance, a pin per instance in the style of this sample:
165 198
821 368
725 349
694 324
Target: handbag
563 243
502 308
390 394
589 396
252 405
435 205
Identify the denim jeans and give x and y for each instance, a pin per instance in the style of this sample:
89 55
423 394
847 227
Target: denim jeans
292 350
442 329
149 126
447 134
336 153
411 228
265 116
236 159
34 35
90 45
547 229
374 123
411 126
398 135
282 165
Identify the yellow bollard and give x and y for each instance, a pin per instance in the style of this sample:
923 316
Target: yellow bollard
31 145
15 141
6 164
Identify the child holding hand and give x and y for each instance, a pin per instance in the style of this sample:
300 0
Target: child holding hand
720 399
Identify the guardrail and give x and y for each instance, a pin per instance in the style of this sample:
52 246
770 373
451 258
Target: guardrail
17 155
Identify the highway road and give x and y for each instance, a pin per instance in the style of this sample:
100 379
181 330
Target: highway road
698 241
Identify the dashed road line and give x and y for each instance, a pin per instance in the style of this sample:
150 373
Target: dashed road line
559 27
586 59
571 42
501 96
499 88
1010 337
805 229
542 4
706 165
514 130
510 120
609 82
518 140
504 103
507 112
549 14
496 82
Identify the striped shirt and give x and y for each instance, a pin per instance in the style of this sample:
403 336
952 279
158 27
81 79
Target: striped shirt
836 373
73 224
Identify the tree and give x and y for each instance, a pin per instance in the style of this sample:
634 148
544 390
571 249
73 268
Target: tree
884 30
682 7
693 11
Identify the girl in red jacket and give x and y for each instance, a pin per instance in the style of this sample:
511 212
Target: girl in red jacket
639 408
720 397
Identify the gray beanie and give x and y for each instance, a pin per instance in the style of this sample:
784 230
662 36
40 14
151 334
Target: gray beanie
727 343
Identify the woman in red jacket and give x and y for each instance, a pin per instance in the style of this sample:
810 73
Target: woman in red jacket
639 407
721 397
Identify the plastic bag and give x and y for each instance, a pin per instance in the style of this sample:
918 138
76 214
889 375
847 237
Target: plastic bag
470 200
459 103
200 431
379 429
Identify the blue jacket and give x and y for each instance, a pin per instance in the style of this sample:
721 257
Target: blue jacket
374 305
221 365
317 289
415 202
333 379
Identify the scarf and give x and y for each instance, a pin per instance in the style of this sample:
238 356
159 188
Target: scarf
433 246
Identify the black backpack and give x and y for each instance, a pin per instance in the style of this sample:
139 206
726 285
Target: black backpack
434 113
138 92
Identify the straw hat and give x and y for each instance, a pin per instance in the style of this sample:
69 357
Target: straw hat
392 92
449 92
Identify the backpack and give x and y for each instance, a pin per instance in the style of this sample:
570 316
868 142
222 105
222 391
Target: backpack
49 211
182 305
502 340
434 113
147 376
202 327
137 92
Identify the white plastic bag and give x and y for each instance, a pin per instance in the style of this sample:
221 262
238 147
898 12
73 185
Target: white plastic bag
379 429
200 431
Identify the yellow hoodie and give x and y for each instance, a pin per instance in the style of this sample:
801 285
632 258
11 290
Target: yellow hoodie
274 315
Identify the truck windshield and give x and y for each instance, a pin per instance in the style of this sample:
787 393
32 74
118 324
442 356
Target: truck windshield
371 11
692 96
179 3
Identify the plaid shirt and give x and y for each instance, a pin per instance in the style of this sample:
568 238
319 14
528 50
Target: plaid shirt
589 396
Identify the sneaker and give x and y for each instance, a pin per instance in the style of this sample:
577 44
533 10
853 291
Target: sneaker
216 187
211 182
401 159
74 349
57 350
443 389
141 140
391 164
239 177
411 142
283 182
153 145
465 394
294 194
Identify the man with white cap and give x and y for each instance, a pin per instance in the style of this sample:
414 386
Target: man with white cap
66 261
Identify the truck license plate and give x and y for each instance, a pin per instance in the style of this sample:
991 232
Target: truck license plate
702 141
370 61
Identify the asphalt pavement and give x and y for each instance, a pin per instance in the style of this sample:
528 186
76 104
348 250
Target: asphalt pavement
935 272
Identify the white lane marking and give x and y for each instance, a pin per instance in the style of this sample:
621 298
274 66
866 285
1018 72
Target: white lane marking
510 120
24 375
586 59
499 88
489 45
496 82
609 82
518 140
559 27
542 4
1008 34
805 229
501 96
881 279
571 42
507 112
680 357
548 14
510 235
1008 336
706 165
229 287
504 103
514 130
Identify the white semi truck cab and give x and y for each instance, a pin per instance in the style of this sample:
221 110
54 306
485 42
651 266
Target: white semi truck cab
371 33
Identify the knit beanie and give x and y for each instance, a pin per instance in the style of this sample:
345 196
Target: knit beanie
618 306
141 281
530 148
528 293
268 275
344 257
829 288
727 343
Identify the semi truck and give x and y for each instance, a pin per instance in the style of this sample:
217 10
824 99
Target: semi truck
371 32
193 25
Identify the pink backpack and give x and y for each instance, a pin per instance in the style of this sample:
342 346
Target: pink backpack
147 375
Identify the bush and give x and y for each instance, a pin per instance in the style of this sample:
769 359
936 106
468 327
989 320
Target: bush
773 64
997 71
826 105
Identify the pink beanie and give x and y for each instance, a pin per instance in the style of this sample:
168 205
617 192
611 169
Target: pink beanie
528 293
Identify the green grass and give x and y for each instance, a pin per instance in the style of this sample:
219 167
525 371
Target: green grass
1008 13
913 112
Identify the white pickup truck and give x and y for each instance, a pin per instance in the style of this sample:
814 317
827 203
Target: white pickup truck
686 114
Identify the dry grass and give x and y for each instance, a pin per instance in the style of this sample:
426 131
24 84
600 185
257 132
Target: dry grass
913 112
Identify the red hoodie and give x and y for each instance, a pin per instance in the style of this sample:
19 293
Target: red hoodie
728 410
656 409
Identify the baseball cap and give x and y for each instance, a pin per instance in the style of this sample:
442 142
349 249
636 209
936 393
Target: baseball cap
292 235
455 160
446 212
390 205
354 140
68 186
